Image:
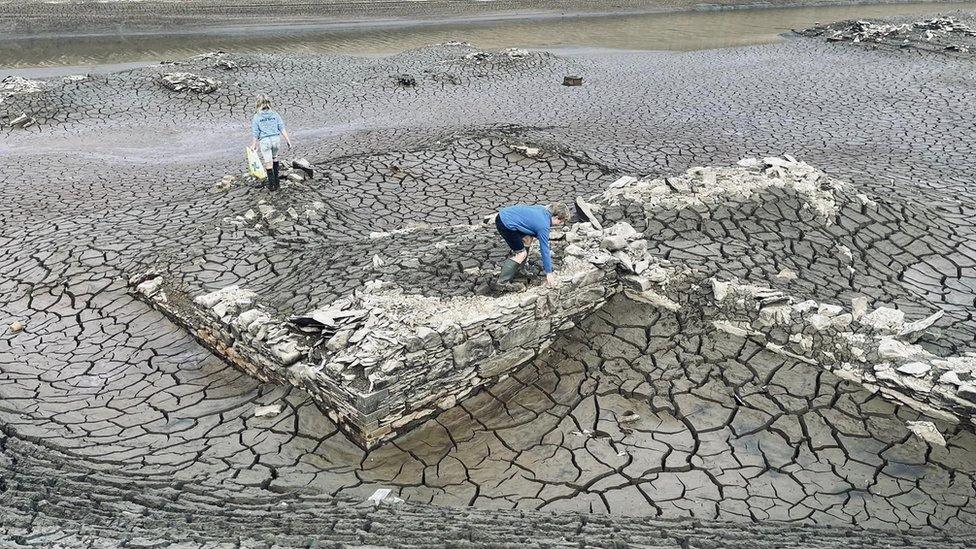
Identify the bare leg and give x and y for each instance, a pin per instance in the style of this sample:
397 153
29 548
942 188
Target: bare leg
521 256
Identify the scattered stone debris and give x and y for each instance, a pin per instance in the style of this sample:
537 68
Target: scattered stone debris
383 496
269 410
15 85
572 81
786 275
628 416
16 327
508 54
940 33
226 64
305 166
701 186
22 121
185 81
224 184
516 53
873 349
406 81
927 431
530 152
478 56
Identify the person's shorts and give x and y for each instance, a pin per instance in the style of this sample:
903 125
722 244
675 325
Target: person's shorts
269 148
512 238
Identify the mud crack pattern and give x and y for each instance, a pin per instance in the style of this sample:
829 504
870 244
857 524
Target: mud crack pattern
105 402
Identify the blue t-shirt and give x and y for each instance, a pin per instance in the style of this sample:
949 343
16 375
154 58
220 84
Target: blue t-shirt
266 123
533 221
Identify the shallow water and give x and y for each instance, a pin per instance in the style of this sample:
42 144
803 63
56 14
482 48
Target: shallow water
661 31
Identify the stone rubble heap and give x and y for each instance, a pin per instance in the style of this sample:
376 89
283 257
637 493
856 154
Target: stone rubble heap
702 187
510 53
940 31
876 349
185 81
15 85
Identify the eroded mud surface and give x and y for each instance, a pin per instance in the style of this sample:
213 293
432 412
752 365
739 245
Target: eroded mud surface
106 400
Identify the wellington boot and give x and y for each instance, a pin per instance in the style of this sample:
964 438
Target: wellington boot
509 269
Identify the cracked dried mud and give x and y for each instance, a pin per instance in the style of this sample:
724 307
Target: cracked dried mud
118 428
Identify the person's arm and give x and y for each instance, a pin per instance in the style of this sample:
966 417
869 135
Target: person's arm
543 236
283 131
255 132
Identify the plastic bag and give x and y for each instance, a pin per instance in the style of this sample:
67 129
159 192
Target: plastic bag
254 165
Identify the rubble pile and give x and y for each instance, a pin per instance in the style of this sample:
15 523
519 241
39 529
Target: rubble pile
946 33
185 81
510 53
701 187
877 349
15 85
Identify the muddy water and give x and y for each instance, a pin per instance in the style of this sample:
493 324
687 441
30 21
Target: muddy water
663 31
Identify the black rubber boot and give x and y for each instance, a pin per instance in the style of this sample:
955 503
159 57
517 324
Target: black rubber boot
273 179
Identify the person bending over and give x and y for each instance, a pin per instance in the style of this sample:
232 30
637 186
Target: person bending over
518 225
267 129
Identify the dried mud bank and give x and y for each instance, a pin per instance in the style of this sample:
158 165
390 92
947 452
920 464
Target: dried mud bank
717 411
59 506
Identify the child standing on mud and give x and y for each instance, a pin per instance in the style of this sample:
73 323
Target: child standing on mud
267 129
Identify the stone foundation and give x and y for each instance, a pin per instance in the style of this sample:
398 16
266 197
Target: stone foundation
405 345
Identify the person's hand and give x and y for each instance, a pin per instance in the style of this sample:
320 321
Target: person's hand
550 278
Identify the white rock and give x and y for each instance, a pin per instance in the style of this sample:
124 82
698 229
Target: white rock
859 306
614 243
737 329
845 253
786 274
805 306
916 369
720 289
892 349
625 230
950 378
819 322
926 431
623 182
865 200
914 330
884 319
269 410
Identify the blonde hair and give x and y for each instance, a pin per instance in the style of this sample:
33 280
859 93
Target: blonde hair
263 102
559 211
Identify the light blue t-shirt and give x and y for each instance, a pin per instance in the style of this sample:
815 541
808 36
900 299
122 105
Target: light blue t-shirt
266 123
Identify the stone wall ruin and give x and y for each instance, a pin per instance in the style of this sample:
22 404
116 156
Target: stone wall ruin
403 346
